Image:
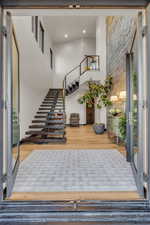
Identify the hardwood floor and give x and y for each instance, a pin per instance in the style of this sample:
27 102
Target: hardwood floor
82 137
77 138
74 196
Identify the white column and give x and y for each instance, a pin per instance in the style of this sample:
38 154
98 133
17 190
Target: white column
100 114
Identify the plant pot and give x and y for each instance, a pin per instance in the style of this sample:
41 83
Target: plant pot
99 128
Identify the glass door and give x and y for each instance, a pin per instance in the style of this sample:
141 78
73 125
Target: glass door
12 106
135 117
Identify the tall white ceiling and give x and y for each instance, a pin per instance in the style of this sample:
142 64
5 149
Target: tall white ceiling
58 26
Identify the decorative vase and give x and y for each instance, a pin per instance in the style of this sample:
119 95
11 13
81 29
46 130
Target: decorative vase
99 128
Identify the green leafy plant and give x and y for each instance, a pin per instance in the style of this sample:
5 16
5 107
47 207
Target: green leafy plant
115 111
122 127
98 93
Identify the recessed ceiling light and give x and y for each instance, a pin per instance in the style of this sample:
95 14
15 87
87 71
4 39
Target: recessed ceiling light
66 35
84 31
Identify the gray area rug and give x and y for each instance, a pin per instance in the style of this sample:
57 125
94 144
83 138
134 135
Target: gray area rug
74 170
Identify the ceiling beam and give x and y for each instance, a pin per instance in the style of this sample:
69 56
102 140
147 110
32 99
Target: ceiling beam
79 3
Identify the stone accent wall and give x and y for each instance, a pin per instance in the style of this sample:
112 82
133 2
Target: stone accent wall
120 33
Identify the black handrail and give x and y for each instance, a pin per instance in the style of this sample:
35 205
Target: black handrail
89 60
72 70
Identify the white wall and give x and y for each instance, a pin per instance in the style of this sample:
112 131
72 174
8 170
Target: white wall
68 55
72 106
35 73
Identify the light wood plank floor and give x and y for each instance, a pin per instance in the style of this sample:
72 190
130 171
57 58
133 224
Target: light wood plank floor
77 138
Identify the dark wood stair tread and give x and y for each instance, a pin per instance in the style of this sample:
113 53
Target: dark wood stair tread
55 140
45 108
49 121
33 132
50 117
53 126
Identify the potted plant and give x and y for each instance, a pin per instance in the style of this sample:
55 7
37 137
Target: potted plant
98 94
99 128
122 127
115 112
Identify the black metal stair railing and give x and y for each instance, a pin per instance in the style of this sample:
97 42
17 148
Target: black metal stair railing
71 81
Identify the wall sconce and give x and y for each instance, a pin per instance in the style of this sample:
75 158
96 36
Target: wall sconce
114 98
134 97
122 95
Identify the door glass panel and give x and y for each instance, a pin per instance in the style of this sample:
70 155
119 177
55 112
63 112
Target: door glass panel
15 99
134 102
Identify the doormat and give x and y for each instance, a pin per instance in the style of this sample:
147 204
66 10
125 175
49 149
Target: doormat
74 170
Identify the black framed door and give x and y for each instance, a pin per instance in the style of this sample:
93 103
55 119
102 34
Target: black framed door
12 109
134 110
1 105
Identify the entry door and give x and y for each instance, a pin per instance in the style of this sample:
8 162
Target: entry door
135 117
90 114
12 132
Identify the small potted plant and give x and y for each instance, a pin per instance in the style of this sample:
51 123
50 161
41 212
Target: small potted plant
99 128
115 112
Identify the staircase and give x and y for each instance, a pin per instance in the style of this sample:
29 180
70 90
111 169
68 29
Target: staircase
49 123
75 77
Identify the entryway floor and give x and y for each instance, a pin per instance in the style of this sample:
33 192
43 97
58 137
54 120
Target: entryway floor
84 149
73 170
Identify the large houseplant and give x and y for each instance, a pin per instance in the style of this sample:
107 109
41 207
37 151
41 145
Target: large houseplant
98 94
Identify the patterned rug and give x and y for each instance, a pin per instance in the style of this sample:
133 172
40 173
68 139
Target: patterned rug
74 170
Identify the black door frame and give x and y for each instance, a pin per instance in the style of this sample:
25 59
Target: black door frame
76 3
1 105
36 4
139 170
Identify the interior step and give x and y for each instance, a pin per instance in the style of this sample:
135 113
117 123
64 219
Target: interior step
49 117
48 112
48 102
33 132
55 140
47 108
43 112
55 127
48 121
56 113
46 105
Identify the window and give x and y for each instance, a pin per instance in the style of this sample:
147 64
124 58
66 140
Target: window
41 37
36 28
51 58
